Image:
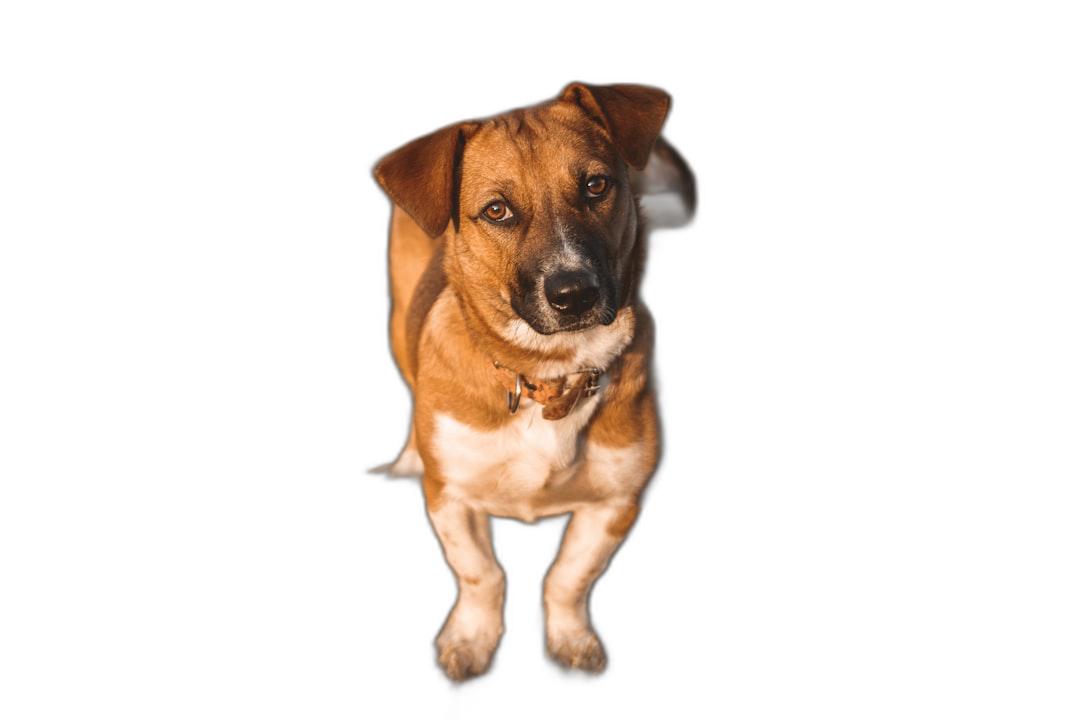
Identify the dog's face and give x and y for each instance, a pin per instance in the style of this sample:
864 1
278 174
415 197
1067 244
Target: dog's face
544 218
547 217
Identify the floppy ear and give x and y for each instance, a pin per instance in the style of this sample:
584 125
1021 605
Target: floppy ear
422 176
632 115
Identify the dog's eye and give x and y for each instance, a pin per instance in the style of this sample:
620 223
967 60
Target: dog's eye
497 212
596 186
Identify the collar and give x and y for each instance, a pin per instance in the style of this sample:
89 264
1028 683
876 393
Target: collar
558 395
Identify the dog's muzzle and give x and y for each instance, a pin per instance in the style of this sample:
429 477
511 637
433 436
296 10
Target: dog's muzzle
572 292
566 300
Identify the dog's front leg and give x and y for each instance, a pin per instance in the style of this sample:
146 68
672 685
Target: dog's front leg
472 630
592 536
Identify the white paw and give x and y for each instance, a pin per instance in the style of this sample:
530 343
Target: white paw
466 647
579 649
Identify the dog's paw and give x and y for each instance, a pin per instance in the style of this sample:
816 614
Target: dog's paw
465 654
464 661
580 650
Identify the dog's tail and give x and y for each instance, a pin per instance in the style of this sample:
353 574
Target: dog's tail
408 465
665 187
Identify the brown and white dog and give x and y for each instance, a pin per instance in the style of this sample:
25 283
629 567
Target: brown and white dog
516 250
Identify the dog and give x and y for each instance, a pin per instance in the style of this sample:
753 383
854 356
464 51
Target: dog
517 245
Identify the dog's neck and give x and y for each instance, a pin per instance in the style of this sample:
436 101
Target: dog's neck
559 396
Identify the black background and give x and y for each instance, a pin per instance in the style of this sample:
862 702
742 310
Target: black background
737 582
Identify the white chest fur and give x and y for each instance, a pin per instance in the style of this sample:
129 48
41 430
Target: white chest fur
517 470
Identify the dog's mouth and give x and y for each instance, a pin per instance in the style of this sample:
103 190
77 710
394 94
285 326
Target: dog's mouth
568 326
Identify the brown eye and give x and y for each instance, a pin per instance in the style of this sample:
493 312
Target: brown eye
596 186
497 212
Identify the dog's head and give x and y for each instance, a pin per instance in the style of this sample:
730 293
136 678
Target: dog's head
536 205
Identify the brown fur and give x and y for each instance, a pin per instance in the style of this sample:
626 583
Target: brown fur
467 291
621 525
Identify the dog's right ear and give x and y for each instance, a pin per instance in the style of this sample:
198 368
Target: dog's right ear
632 115
422 177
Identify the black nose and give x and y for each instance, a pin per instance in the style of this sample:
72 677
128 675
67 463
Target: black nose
572 292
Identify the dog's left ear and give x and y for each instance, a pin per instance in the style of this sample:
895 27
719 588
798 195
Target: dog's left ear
632 115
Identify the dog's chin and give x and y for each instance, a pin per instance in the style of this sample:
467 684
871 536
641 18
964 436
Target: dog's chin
594 343
568 325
